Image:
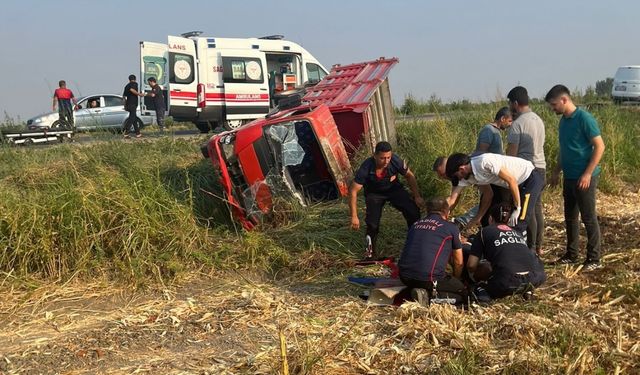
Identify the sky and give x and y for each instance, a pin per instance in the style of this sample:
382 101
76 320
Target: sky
474 50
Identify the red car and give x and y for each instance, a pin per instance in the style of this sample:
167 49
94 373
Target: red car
302 153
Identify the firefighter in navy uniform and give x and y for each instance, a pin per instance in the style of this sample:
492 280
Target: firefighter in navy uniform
432 243
379 177
515 269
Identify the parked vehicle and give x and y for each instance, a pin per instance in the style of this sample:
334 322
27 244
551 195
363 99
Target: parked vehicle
301 151
108 113
224 81
626 84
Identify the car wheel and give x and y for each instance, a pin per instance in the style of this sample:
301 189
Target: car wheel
28 142
60 125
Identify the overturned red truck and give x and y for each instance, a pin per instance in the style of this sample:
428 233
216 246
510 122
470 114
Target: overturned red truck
301 150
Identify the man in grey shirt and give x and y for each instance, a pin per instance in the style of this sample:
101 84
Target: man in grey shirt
526 140
489 138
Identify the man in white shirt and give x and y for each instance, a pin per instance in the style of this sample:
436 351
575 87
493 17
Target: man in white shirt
516 174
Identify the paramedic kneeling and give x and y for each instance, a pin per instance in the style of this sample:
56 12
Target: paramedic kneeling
379 176
431 242
515 267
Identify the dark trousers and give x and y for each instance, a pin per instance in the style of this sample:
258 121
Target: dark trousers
444 286
65 112
132 120
500 286
160 117
536 225
582 202
399 199
530 191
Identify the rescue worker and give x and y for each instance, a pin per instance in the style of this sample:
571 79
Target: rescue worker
63 97
431 242
515 268
379 177
158 101
516 174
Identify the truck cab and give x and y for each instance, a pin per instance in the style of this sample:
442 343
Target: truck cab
225 81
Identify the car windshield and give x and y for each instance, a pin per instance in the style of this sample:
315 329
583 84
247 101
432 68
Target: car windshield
628 74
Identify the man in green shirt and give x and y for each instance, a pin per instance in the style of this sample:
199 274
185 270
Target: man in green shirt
581 148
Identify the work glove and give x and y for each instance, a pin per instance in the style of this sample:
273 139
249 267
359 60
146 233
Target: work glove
513 219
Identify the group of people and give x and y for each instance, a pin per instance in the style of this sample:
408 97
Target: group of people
63 97
505 254
131 93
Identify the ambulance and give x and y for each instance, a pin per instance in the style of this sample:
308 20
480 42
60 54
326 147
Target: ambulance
224 81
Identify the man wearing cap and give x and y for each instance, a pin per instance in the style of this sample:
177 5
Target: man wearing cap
516 174
379 177
131 95
526 140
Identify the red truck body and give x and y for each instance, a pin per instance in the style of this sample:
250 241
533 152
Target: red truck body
303 153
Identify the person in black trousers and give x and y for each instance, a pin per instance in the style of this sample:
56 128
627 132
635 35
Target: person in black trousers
130 96
379 177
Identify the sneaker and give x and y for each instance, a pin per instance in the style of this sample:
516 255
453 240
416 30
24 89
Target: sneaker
420 295
138 135
589 266
566 259
529 296
481 295
126 136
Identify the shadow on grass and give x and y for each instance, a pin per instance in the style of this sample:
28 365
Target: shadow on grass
197 186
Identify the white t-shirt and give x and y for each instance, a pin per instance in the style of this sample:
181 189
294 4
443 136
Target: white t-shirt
486 168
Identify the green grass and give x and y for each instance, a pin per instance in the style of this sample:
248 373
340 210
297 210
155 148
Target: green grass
139 210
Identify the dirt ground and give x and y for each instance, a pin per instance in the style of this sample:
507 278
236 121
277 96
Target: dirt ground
233 323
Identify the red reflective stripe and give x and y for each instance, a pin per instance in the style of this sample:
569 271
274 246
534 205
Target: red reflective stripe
435 261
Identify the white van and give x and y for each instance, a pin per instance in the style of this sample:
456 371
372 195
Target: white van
626 84
224 81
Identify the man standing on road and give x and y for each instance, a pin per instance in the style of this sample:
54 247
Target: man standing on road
131 95
379 176
526 140
63 97
158 101
516 174
581 148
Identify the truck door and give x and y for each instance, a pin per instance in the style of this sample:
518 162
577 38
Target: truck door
154 61
246 87
183 79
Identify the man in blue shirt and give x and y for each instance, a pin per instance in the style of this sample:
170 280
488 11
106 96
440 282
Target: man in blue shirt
581 148
379 177
489 138
431 243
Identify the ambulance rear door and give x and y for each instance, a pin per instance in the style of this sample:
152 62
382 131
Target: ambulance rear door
183 79
154 58
246 84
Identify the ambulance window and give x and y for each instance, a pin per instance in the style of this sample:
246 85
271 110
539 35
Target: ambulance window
181 68
242 70
315 72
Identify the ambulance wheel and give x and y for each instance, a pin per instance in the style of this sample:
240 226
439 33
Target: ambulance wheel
234 124
203 126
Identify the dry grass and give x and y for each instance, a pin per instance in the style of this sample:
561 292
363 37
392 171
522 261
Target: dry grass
231 323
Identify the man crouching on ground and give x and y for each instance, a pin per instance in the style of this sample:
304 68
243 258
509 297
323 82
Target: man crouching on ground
431 242
515 268
379 176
